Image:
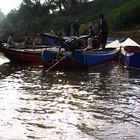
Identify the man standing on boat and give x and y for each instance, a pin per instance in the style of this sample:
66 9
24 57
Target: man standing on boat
103 31
10 40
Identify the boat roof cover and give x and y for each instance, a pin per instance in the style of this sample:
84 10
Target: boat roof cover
129 42
114 44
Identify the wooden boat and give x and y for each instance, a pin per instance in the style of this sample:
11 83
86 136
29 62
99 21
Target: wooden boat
131 54
78 58
23 55
54 58
93 57
58 39
131 57
52 40
32 53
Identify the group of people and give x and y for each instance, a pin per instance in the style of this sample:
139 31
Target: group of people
97 32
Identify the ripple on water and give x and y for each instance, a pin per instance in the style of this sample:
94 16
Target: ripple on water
79 105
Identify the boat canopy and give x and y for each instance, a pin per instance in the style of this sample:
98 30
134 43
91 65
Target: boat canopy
127 42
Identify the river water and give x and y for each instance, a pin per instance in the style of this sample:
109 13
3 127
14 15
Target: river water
101 103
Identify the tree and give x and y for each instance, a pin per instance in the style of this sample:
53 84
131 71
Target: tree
1 15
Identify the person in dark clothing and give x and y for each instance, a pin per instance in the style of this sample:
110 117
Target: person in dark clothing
67 29
76 27
103 31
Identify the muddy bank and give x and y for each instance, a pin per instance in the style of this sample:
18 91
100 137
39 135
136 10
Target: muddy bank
133 34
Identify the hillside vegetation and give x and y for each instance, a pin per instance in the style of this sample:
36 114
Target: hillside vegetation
120 14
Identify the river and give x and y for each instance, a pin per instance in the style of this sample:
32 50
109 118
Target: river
101 103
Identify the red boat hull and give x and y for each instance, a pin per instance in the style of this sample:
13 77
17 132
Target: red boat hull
22 55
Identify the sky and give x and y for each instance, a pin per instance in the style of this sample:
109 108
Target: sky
7 5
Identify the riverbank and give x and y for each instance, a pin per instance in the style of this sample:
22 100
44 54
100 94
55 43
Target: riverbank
133 34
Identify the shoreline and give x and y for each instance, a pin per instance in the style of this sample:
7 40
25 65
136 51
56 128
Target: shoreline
133 34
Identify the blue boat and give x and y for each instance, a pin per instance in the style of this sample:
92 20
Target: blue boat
78 58
93 57
52 40
58 39
54 58
131 57
130 51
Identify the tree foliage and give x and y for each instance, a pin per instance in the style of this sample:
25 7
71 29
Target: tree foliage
1 15
30 12
34 16
126 15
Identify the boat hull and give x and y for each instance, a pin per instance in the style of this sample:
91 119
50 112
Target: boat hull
52 40
131 58
95 57
57 40
79 58
22 55
56 59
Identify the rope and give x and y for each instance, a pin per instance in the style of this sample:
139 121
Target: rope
55 64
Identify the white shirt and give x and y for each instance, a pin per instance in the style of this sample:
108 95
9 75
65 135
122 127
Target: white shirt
10 40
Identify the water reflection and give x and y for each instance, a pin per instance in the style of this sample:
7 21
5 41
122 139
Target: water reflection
3 59
101 103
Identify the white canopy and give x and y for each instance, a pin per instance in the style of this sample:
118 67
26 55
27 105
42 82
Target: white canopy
127 42
114 44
